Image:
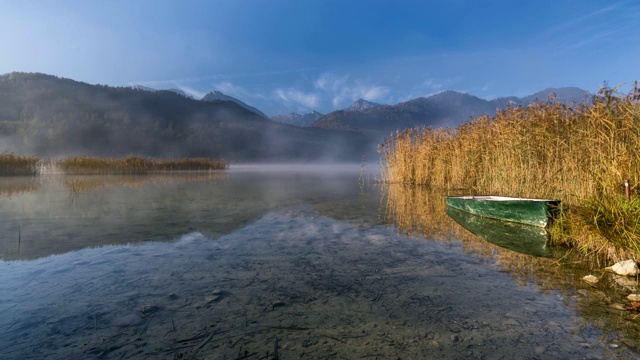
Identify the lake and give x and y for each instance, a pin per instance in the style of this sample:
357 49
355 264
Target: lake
281 262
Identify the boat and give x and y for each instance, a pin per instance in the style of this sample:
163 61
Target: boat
522 238
535 212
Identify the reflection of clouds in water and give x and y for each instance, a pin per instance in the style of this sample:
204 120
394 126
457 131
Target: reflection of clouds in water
350 290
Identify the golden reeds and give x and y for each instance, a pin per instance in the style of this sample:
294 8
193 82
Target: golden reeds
11 164
136 165
579 154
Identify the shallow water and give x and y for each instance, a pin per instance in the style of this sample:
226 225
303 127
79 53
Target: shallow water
295 263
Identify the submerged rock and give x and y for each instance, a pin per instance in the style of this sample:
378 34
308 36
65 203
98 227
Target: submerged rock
591 279
127 320
626 268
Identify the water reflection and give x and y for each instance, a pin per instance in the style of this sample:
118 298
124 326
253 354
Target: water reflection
525 239
40 216
282 264
419 212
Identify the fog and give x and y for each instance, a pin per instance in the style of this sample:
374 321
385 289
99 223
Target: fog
52 117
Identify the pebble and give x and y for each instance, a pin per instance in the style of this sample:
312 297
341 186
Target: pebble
591 279
617 306
277 303
172 296
634 297
217 292
583 292
626 268
511 322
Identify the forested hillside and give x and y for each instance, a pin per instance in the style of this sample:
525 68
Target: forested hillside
49 116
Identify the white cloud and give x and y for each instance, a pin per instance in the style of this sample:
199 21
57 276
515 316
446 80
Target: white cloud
308 100
193 92
229 89
344 91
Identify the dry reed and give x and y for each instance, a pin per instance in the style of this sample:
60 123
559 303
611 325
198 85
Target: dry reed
136 165
580 154
11 164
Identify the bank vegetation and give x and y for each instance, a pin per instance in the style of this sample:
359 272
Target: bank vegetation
11 164
580 154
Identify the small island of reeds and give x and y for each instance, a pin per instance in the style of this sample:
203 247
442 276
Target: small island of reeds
18 165
11 164
580 154
136 165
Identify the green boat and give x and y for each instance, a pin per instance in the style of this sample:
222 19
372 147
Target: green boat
525 239
535 212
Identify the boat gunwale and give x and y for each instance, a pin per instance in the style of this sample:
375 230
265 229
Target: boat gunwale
500 198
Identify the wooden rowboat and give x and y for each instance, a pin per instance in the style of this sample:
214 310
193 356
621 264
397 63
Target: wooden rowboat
536 212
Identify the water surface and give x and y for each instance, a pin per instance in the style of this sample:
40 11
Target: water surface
266 262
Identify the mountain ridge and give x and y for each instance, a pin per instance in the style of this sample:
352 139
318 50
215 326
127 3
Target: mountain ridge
50 116
445 109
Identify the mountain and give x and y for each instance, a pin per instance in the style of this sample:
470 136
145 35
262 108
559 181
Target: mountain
217 95
177 91
145 88
49 116
180 92
445 109
297 119
448 108
565 95
362 105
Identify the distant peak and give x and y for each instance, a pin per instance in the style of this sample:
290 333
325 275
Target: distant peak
361 105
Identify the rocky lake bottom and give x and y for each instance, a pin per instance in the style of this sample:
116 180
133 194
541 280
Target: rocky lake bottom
296 283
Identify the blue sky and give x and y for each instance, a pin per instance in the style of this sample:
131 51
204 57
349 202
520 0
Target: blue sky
303 55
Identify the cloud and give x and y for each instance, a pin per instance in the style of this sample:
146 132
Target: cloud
193 92
344 91
294 96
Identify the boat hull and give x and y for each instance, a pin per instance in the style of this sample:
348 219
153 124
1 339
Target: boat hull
525 239
535 212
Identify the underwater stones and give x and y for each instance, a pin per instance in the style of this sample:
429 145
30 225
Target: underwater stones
146 310
172 296
127 320
591 279
277 303
625 268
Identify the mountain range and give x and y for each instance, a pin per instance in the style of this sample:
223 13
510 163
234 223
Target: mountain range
446 109
297 119
51 116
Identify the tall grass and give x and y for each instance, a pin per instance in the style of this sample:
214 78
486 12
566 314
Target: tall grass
136 165
11 164
580 154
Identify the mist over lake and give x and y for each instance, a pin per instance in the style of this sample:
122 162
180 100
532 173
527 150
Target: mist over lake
293 261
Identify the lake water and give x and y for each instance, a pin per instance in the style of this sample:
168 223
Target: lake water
266 262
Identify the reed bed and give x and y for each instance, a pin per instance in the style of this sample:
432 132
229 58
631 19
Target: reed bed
580 154
136 165
18 165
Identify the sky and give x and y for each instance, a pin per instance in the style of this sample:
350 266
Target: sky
286 56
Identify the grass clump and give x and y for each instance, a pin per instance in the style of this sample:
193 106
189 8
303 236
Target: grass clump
18 165
580 154
136 165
